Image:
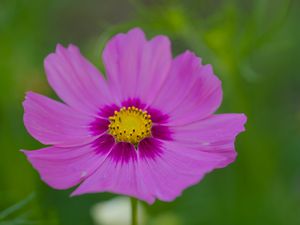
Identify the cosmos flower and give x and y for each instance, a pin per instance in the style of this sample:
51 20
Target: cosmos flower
145 130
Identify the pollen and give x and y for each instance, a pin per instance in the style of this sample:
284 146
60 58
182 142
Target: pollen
130 124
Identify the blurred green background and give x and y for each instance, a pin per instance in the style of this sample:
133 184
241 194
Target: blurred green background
254 48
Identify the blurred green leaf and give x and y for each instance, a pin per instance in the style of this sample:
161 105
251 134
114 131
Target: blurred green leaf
14 208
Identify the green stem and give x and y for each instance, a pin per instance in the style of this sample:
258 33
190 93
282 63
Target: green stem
134 210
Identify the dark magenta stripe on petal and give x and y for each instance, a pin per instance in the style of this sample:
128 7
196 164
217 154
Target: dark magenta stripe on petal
161 132
108 110
133 102
150 148
157 116
103 144
99 126
123 152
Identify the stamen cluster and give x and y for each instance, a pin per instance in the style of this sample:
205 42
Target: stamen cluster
130 124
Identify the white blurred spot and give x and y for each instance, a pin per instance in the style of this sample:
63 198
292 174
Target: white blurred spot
83 174
116 211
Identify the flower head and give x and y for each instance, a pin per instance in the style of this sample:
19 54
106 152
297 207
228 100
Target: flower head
147 130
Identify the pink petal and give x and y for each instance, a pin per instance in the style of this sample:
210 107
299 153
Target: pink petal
75 80
164 172
191 91
135 66
196 150
214 128
62 168
214 137
54 123
117 174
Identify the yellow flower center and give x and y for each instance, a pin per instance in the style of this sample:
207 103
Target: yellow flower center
130 125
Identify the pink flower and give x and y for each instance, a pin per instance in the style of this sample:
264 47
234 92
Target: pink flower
146 131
